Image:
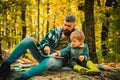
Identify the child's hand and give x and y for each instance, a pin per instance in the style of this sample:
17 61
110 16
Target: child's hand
81 58
54 54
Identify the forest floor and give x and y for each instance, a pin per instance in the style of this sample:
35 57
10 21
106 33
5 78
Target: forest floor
112 74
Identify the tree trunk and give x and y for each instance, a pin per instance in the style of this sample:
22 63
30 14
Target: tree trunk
104 37
0 42
88 28
0 51
38 21
48 17
23 21
24 24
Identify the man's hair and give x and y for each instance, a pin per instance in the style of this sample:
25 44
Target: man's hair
70 18
78 34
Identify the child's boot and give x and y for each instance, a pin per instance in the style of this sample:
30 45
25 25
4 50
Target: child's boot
93 69
80 69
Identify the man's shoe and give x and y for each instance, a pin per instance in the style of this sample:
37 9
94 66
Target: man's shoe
5 69
19 77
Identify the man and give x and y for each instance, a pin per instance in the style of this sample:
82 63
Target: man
56 39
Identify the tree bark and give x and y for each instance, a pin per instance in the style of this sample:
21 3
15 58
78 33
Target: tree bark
38 21
0 51
88 28
48 16
104 37
23 21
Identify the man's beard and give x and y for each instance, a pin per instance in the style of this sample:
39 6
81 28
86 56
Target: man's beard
67 32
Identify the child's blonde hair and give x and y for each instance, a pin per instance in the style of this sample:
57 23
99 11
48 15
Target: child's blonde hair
78 34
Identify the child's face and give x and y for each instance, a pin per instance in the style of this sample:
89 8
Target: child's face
75 42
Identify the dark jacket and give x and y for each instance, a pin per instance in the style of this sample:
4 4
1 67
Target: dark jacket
74 53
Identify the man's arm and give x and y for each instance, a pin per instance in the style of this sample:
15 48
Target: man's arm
45 41
45 44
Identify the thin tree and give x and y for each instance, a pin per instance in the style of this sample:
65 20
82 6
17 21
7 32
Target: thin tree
48 16
38 20
23 21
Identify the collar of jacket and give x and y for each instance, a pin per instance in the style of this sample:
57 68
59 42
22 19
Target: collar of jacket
81 46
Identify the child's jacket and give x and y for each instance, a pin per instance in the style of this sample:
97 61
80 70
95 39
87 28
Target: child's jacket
74 53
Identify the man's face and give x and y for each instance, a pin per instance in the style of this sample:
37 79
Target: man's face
68 27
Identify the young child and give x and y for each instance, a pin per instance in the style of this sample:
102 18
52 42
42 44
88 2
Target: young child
79 54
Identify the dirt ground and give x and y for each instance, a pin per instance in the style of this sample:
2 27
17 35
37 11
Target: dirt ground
114 74
71 75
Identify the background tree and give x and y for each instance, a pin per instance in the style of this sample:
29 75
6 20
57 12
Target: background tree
38 20
23 20
88 28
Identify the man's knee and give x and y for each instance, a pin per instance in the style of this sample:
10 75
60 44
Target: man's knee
28 40
53 62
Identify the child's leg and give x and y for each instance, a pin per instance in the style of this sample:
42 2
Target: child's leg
92 67
80 69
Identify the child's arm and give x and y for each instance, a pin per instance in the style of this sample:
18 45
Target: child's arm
65 51
86 52
84 56
57 53
62 52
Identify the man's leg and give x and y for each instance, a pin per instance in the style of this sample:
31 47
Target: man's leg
26 43
47 63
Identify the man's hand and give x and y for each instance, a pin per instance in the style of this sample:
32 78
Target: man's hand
47 50
81 58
